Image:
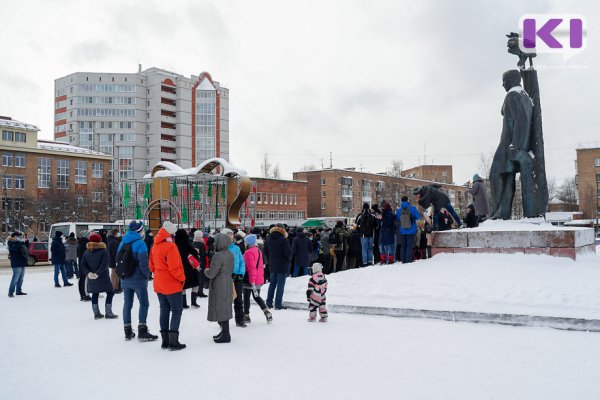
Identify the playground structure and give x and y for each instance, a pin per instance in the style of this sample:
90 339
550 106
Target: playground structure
211 195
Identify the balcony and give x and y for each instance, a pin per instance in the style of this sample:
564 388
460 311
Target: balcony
165 100
168 143
167 126
168 156
168 92
347 194
167 119
171 108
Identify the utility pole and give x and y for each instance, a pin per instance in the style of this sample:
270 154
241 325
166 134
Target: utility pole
424 153
330 160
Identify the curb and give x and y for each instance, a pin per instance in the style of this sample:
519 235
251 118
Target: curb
572 324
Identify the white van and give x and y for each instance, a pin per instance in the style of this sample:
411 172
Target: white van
67 227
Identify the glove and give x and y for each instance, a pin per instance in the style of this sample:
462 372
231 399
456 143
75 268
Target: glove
92 276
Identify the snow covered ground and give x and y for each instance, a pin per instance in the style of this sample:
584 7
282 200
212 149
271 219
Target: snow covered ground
498 283
54 349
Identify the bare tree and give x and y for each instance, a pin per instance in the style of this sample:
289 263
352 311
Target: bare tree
276 173
396 168
485 164
567 192
551 189
308 167
265 167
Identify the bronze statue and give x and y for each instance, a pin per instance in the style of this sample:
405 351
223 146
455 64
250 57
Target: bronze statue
521 148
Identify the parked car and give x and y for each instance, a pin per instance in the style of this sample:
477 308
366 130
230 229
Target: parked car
38 252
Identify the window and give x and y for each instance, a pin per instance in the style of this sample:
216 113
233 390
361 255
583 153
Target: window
44 173
322 181
285 199
261 215
8 135
597 162
20 137
295 201
20 182
281 215
81 201
291 215
444 173
97 170
81 172
7 160
62 174
323 206
271 198
7 182
252 198
276 199
323 193
20 161
300 214
258 198
272 214
96 197
597 177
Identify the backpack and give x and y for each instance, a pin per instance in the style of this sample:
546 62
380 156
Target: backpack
334 238
126 263
406 219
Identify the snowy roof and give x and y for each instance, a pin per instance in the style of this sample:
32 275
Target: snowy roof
172 170
11 123
59 146
205 85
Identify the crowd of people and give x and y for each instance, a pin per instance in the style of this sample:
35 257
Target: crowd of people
233 266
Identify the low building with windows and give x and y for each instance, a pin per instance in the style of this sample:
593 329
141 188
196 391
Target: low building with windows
44 182
278 201
588 180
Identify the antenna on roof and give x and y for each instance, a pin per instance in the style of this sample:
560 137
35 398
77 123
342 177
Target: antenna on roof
330 160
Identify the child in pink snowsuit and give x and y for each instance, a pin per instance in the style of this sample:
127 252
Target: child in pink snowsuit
316 294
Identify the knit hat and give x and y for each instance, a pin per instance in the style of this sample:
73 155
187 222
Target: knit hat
16 233
366 206
170 227
95 238
226 231
476 177
317 267
198 236
417 190
250 240
136 226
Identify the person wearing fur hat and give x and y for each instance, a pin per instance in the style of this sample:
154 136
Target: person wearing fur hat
254 278
279 253
59 259
239 270
220 292
316 295
199 244
137 283
94 264
169 279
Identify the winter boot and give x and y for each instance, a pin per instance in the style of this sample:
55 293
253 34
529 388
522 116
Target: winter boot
220 332
194 297
268 315
382 258
97 314
390 259
185 302
224 337
129 333
86 298
174 344
323 319
144 335
165 340
247 318
240 323
109 313
201 292
312 316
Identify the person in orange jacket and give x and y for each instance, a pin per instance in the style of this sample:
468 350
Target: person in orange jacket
169 278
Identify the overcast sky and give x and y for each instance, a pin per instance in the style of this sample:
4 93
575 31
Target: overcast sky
369 81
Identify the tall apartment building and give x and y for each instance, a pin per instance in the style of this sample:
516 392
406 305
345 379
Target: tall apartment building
342 192
588 181
143 118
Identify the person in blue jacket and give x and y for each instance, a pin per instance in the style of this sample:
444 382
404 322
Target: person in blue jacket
239 269
407 216
137 283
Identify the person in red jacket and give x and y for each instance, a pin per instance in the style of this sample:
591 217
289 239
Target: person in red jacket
254 278
169 278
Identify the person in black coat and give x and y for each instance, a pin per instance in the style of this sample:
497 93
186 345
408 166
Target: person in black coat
445 221
149 240
82 242
200 246
431 194
279 253
471 219
59 259
189 256
112 247
301 249
94 265
355 257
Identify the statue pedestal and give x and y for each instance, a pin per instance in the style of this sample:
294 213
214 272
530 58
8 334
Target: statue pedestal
516 237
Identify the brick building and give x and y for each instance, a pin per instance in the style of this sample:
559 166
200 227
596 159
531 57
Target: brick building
434 173
44 182
278 200
588 181
342 192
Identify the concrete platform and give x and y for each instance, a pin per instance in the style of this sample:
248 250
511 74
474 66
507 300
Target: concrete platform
516 237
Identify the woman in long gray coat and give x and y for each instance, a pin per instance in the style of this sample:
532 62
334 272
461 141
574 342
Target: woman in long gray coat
220 293
480 198
94 265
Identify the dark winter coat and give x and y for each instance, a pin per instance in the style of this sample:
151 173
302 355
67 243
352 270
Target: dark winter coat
471 218
149 240
431 195
81 247
139 279
185 250
71 249
344 238
18 253
301 249
387 236
480 198
112 248
59 255
355 248
95 259
367 223
445 222
220 287
201 249
278 251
